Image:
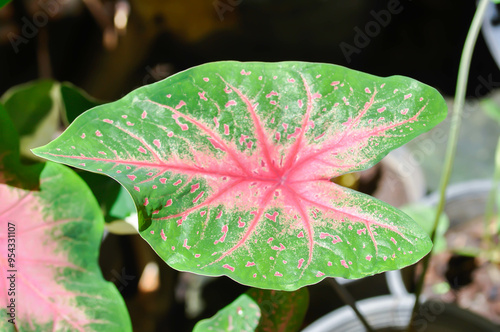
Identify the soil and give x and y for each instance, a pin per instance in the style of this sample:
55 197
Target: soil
472 283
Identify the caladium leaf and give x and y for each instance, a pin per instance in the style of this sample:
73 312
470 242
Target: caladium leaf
229 166
260 310
56 231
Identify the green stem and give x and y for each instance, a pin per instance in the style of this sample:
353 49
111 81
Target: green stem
349 300
458 105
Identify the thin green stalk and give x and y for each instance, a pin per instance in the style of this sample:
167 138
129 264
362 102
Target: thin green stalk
458 105
349 300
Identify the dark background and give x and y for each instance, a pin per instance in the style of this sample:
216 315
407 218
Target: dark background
423 40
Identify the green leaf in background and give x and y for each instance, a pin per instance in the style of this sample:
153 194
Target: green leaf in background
75 102
491 108
3 3
260 310
12 172
38 110
34 112
123 215
280 311
424 215
58 231
229 165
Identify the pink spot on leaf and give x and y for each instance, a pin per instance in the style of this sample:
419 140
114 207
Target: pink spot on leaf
229 267
272 93
248 264
181 103
202 95
144 114
230 103
98 133
273 216
195 187
163 236
335 238
142 150
132 177
157 143
108 121
301 234
198 197
344 264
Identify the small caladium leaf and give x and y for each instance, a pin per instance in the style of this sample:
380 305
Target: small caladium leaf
260 310
242 314
54 234
229 166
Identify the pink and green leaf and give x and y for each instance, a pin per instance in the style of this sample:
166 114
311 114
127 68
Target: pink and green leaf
229 166
59 286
